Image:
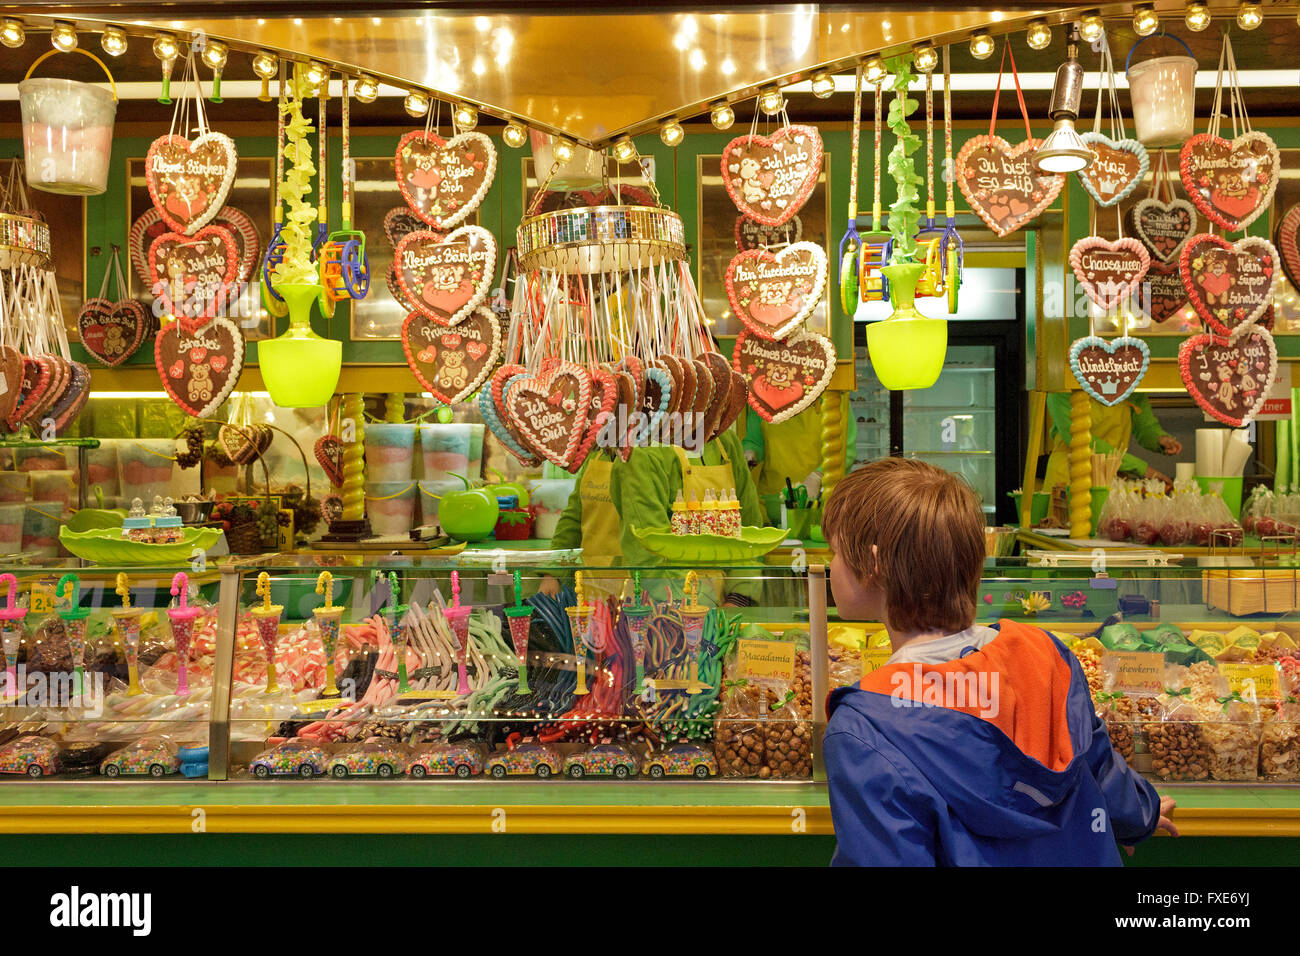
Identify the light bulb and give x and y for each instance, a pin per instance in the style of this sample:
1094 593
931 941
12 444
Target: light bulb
981 46
416 103
671 133
214 54
1197 17
515 135
367 89
1145 20
925 57
876 71
771 101
265 65
722 116
63 36
1249 15
315 74
113 41
1091 27
823 85
12 33
625 150
164 47
1038 35
465 117
563 151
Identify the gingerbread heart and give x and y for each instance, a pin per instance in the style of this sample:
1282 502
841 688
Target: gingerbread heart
1163 227
76 393
451 363
551 410
248 243
1287 238
603 421
1001 183
720 370
769 178
1231 183
1164 296
33 391
1118 168
446 277
395 289
444 180
773 293
656 405
491 405
240 443
784 377
755 235
399 223
1230 284
147 227
1109 271
194 276
189 179
199 367
112 331
1229 378
1109 370
737 398
11 380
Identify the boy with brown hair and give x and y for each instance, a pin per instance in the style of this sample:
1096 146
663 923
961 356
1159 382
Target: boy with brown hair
972 745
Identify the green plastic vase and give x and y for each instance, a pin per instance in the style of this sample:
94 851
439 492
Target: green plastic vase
300 369
907 349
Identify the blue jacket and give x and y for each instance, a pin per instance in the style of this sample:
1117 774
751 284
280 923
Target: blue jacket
922 771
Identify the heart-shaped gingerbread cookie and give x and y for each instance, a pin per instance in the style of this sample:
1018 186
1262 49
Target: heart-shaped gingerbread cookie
773 293
194 276
784 377
445 277
1287 238
1119 167
1229 378
1109 270
199 368
755 235
1231 182
329 452
1164 296
452 362
112 331
189 179
1109 370
1001 183
551 410
1163 227
1230 284
444 180
769 178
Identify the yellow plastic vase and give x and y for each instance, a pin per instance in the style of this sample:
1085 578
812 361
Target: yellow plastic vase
300 369
907 349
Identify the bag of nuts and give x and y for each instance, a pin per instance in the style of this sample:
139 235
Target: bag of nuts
787 739
1231 729
739 739
1178 752
1279 747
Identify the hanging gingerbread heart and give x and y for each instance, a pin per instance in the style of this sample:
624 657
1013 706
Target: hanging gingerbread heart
769 178
1001 183
784 377
239 442
491 405
755 235
551 410
446 277
33 390
400 222
248 242
737 399
147 227
1287 238
444 180
199 368
194 276
704 393
11 380
720 370
112 331
451 363
1109 271
656 404
604 398
75 395
1231 182
1230 284
1162 227
1164 295
189 180
773 293
1229 378
1109 369
1119 167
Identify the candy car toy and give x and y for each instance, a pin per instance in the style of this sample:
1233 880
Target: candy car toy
604 759
374 758
463 760
149 755
33 755
681 760
301 757
525 758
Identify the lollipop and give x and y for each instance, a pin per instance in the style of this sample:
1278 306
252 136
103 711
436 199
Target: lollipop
182 619
693 616
458 617
127 621
638 615
74 625
395 615
520 618
11 633
267 619
579 621
328 616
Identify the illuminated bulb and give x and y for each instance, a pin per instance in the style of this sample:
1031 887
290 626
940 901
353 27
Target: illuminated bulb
315 74
981 46
164 47
113 41
1091 27
63 36
722 116
1145 20
563 151
416 103
465 117
925 57
671 133
1249 15
1197 17
771 102
1039 35
625 150
823 85
876 71
12 33
515 135
265 64
214 54
367 89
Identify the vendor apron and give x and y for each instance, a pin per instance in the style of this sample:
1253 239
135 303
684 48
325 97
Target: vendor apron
792 449
1113 425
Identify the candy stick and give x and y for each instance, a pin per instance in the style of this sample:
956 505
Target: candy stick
637 615
267 619
458 617
579 621
182 619
328 616
693 616
395 615
126 619
11 632
74 624
520 618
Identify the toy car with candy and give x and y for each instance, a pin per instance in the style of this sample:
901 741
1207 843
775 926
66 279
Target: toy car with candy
290 757
149 755
463 760
604 759
374 758
681 760
31 755
523 759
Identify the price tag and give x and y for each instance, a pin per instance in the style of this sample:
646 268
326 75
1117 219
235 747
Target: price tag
42 599
1137 673
874 658
759 660
1257 683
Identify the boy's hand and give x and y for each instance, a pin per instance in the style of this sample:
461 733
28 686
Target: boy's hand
1166 822
549 585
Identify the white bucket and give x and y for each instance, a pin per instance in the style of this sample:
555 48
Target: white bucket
67 132
1164 98
585 169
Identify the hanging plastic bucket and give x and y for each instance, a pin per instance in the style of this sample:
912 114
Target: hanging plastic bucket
583 170
67 131
1164 96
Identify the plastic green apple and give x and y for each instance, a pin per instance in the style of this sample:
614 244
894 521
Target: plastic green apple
504 488
469 515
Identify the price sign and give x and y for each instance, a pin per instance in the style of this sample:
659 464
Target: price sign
874 658
760 660
1137 673
42 599
1257 683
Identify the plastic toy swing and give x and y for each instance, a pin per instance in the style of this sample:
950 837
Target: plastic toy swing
344 265
874 246
851 242
318 246
272 300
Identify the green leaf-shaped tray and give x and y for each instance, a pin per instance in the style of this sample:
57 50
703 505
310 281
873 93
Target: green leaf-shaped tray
686 548
107 546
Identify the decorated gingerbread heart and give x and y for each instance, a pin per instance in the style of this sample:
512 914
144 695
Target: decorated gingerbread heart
1002 184
551 410
147 227
784 377
239 442
1109 270
248 242
1117 169
1287 238
199 367
451 363
1162 227
446 277
737 399
1230 284
444 180
194 276
720 370
112 331
1229 378
756 235
773 293
189 179
769 178
329 452
400 222
33 390
11 380
76 393
1231 182
656 404
1109 369
491 405
1164 296
603 421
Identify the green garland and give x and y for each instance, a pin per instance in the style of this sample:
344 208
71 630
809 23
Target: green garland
300 215
904 213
